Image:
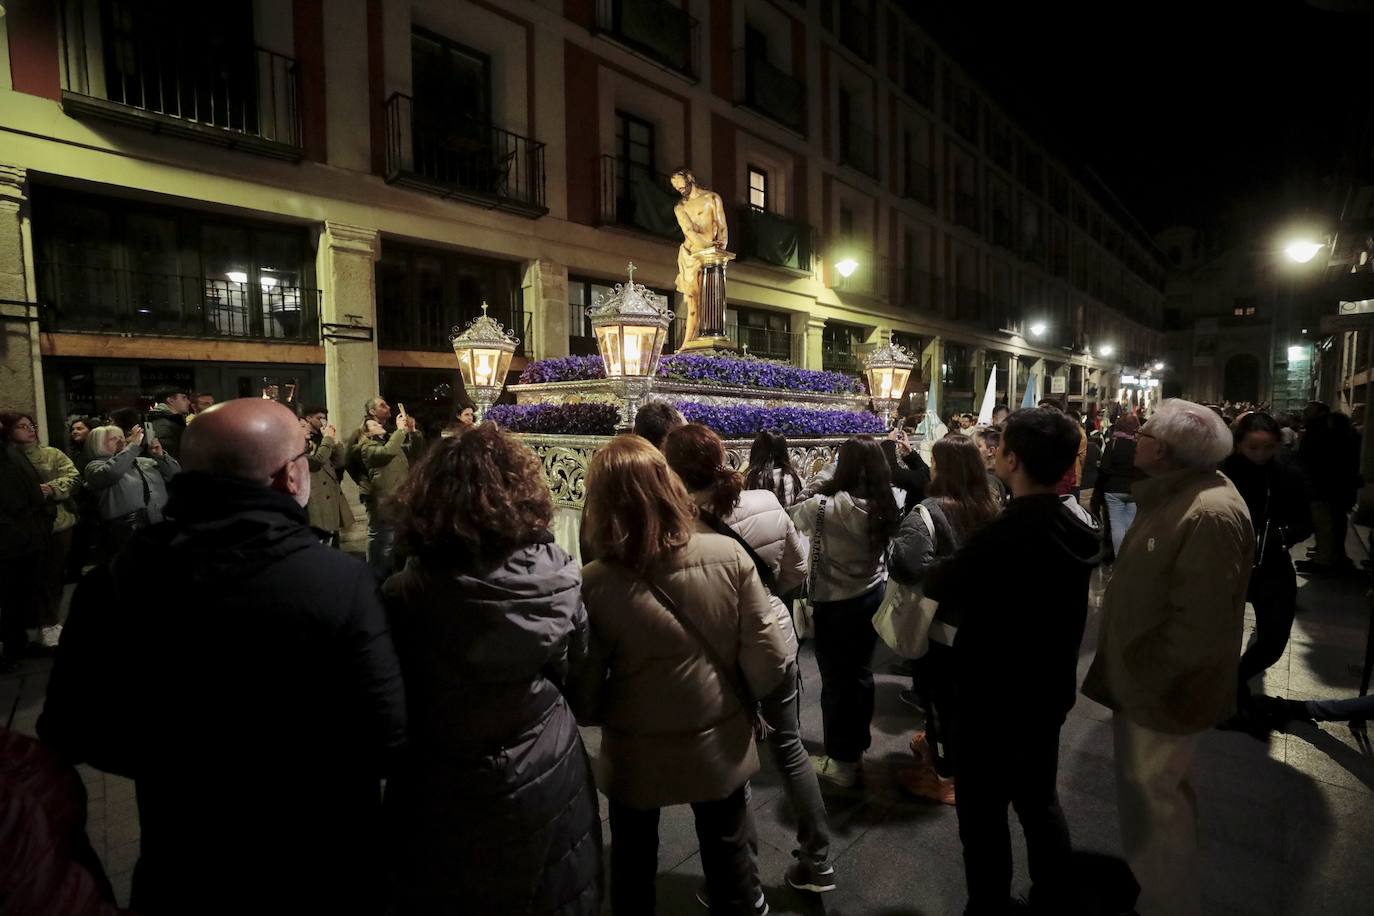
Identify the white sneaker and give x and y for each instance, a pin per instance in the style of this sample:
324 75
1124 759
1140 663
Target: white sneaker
836 772
48 636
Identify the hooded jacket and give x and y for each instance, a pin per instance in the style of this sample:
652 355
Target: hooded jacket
167 425
1169 646
493 808
1021 630
242 674
849 566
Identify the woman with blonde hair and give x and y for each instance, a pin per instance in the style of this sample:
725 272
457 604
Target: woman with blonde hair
683 641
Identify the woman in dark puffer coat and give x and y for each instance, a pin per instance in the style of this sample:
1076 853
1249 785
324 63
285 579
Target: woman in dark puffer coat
494 809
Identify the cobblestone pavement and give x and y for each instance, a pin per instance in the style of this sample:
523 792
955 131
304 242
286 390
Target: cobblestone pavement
1286 826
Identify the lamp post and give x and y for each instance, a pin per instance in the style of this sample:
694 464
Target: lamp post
888 369
630 323
484 351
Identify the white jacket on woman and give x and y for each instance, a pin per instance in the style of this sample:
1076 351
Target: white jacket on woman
849 566
765 526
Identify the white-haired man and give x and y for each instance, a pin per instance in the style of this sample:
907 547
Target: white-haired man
1169 646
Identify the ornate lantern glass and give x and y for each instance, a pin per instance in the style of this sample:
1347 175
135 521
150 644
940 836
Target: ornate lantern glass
888 369
484 352
631 324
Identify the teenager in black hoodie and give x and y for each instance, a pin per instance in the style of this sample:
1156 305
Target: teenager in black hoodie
1021 641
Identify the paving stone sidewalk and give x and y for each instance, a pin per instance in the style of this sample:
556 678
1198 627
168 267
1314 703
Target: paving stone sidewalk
1287 825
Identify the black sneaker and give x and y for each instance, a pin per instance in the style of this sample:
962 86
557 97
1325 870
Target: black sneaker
704 898
806 877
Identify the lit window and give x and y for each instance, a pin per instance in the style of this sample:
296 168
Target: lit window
758 188
1250 311
1238 311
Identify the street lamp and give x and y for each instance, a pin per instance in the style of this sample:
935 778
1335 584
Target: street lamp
1106 350
630 323
888 369
846 267
1159 366
1303 250
484 352
1038 329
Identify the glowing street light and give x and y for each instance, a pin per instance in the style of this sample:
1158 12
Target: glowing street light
846 267
1038 329
1159 366
1106 350
1303 251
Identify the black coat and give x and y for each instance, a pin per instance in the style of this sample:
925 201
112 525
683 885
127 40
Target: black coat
1276 495
1116 470
242 673
494 809
1023 625
25 516
910 473
1329 454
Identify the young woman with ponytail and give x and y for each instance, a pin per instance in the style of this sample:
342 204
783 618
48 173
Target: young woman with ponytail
758 520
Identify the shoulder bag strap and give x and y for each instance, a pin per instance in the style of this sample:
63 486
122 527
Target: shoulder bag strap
726 672
719 527
815 558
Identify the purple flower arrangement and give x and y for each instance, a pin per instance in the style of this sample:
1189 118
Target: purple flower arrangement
588 419
703 370
743 421
563 369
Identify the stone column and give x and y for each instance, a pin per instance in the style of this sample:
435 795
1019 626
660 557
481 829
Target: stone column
21 374
347 258
1013 396
812 330
546 300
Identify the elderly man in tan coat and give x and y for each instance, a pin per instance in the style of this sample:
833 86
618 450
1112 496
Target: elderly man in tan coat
1169 647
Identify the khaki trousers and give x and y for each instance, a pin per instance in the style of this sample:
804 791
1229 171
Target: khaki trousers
1157 802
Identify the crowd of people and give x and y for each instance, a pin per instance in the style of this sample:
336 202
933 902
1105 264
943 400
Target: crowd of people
457 663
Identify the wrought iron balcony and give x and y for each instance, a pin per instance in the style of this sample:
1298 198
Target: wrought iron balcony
77 297
767 343
919 183
653 29
771 92
241 97
869 277
840 355
914 288
775 239
968 304
638 198
466 160
425 324
966 210
858 149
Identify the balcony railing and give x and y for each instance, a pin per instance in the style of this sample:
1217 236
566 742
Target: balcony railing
767 343
968 304
858 149
966 210
868 279
425 324
638 198
241 97
771 92
840 355
914 288
775 239
856 30
108 300
659 31
919 184
467 160
1002 316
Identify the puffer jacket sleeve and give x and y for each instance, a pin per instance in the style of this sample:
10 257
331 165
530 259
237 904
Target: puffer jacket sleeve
792 570
913 549
763 653
374 673
804 515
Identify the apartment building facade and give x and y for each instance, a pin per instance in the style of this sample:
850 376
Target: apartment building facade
306 198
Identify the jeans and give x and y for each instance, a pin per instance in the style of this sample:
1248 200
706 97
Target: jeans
54 566
782 712
844 653
381 544
725 833
1157 801
1274 593
935 674
1341 710
1120 514
1019 766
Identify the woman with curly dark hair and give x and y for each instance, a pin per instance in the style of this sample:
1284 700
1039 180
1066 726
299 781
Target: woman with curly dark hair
849 522
493 809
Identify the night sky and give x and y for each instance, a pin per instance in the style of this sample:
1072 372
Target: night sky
1226 116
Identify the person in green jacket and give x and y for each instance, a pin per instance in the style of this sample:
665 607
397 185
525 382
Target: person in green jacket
387 460
59 480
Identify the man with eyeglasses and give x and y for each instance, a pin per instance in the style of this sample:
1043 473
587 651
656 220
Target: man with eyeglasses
254 695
